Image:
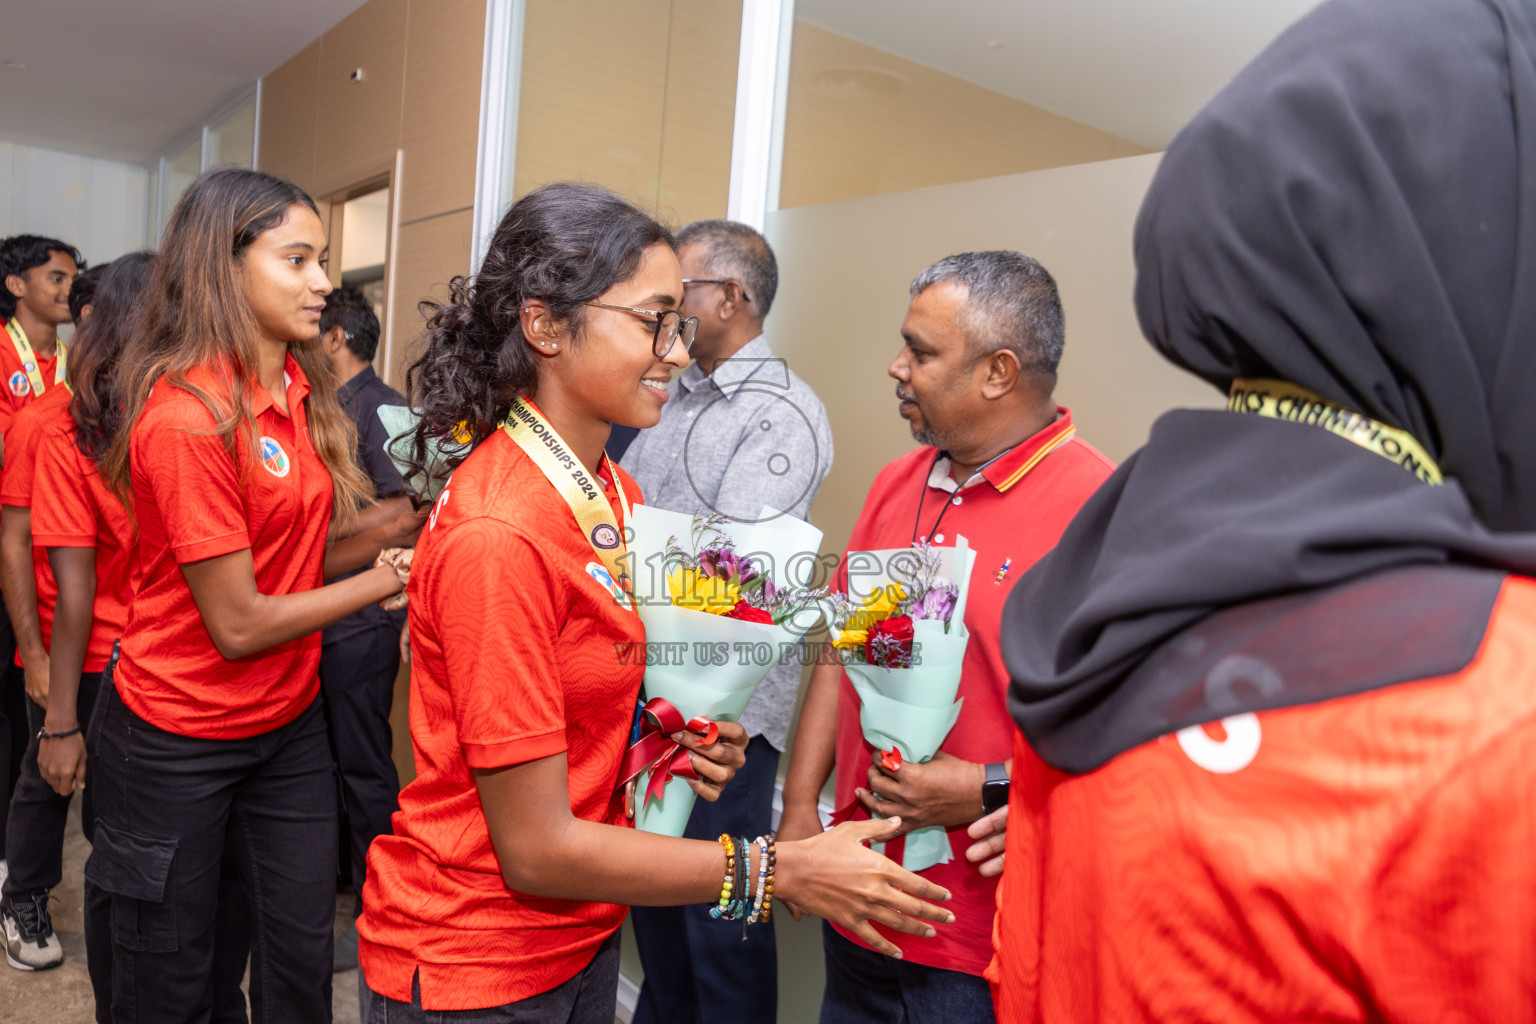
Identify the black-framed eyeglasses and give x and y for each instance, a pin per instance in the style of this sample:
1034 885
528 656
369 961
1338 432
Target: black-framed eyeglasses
710 280
671 327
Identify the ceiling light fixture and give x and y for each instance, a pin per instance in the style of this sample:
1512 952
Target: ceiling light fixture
995 44
14 65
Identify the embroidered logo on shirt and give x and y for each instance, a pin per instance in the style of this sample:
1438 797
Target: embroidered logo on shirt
18 384
273 457
605 581
605 537
1003 571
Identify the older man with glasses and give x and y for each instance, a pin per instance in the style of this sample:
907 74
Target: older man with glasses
744 437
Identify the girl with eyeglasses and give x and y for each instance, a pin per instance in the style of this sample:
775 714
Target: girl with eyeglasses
500 894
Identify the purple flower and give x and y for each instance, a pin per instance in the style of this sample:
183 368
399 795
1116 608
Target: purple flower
889 651
725 563
938 603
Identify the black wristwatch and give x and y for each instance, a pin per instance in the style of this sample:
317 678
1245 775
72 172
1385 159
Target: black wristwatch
994 792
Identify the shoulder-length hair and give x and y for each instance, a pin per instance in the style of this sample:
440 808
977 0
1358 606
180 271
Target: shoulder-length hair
195 316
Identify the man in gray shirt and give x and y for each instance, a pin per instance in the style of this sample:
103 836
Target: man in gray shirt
743 436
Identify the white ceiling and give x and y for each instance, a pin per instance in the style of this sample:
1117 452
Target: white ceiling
1135 68
124 79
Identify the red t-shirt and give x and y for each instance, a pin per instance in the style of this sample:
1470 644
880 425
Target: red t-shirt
194 501
1371 862
513 634
74 508
18 485
15 386
1013 516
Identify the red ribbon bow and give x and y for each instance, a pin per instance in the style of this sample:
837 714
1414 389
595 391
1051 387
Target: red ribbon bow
656 751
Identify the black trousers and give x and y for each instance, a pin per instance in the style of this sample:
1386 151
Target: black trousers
35 843
38 815
587 998
357 680
13 724
698 968
167 807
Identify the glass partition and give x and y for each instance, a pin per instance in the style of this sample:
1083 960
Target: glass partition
232 142
177 172
228 139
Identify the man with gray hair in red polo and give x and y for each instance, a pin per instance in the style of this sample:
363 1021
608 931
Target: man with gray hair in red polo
1000 464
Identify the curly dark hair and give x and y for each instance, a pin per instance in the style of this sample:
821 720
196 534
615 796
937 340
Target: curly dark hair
566 244
97 405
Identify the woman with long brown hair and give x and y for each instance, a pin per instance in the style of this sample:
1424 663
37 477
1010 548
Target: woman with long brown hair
235 454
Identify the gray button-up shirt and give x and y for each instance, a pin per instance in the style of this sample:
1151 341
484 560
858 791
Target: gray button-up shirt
749 435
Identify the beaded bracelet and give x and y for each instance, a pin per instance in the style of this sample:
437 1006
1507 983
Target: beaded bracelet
771 855
743 879
726 885
762 880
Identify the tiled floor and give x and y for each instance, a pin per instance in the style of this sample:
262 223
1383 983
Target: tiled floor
63 995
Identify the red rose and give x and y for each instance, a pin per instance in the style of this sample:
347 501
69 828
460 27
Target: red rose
747 613
889 642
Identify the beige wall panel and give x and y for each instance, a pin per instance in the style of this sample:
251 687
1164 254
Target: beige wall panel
359 122
289 108
440 122
430 252
863 122
845 267
700 110
592 94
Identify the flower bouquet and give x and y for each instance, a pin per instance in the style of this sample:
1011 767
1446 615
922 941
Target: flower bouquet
719 612
902 644
399 423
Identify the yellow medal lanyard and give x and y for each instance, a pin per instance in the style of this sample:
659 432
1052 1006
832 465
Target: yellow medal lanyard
1282 400
594 516
28 357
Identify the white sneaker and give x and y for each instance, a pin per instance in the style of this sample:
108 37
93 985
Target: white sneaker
30 944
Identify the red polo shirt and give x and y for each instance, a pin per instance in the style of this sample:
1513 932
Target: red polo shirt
194 502
74 508
1010 517
15 387
18 485
513 637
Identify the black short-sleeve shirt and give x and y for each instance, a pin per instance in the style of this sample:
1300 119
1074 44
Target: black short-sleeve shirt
361 397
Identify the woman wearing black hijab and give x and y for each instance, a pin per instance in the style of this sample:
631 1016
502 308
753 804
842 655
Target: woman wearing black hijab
1278 681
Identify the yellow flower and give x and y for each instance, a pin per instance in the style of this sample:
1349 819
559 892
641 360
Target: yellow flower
851 639
879 604
711 594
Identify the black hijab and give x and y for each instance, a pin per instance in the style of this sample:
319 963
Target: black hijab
1353 213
